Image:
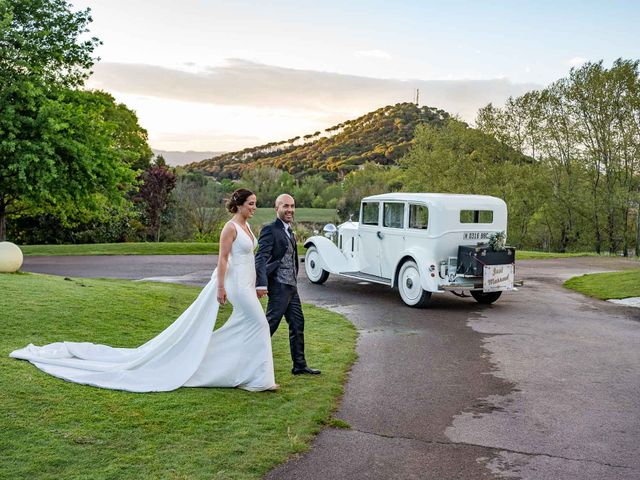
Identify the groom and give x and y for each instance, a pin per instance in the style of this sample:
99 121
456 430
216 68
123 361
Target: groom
276 272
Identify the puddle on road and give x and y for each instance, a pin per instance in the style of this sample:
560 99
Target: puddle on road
627 302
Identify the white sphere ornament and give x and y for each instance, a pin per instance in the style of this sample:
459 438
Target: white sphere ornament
10 257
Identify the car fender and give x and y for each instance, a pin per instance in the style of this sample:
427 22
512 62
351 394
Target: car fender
423 259
333 260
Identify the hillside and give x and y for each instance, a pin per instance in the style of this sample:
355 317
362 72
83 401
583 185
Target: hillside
176 158
382 136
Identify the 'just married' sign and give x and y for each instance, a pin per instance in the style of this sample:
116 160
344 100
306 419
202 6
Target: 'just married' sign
498 277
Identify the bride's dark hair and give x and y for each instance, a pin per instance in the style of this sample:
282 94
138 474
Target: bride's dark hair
238 198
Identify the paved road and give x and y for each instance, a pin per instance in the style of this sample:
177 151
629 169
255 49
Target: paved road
544 384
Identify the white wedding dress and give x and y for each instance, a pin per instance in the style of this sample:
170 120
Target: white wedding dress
185 354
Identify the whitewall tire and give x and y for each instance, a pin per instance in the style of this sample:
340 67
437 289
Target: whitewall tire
312 266
410 286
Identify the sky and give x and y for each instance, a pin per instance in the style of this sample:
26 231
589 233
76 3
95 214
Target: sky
209 75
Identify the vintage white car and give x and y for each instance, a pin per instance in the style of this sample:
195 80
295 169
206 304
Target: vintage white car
421 244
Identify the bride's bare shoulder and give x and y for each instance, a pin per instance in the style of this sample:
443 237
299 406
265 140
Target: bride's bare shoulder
229 229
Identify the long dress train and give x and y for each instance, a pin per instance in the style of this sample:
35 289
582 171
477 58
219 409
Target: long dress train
187 353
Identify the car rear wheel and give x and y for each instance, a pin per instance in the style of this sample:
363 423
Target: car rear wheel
312 267
410 286
485 298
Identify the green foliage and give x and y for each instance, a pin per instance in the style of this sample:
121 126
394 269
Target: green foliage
100 224
62 158
57 151
267 183
455 158
372 179
53 429
63 152
583 132
382 137
196 209
40 41
129 139
497 241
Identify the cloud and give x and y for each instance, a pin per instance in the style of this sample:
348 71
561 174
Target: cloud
330 96
576 61
374 53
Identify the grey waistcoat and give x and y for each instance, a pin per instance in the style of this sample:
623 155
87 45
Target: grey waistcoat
287 271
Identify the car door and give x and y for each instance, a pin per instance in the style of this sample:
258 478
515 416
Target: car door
368 238
393 236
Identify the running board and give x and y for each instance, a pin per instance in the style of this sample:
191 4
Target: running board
367 277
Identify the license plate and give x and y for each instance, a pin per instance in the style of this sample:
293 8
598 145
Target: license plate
497 278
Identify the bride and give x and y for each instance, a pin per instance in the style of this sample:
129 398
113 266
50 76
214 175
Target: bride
187 353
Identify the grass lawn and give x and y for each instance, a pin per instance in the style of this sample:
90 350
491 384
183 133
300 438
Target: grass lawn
129 249
606 286
133 248
52 429
312 215
531 255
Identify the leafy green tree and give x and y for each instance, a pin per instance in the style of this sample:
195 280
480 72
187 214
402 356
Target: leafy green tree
455 158
267 183
54 146
584 130
196 209
371 179
40 40
64 153
309 191
57 151
130 140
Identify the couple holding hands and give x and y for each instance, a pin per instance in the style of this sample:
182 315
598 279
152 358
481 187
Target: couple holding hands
188 353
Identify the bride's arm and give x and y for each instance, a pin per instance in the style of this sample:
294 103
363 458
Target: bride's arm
227 237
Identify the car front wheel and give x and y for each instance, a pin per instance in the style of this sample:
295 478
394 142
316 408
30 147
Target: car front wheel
485 298
410 286
312 267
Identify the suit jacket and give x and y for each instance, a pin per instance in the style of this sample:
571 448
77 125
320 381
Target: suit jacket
272 245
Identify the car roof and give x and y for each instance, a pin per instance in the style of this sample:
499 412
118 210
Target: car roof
448 199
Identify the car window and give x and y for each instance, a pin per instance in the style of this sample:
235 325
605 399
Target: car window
393 215
476 216
418 217
370 213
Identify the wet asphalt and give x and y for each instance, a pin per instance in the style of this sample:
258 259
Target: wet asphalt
544 384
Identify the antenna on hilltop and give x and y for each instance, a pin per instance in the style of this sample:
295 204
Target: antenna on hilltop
417 97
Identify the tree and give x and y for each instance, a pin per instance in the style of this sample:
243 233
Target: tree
56 151
585 130
60 148
537 124
157 183
308 190
197 208
455 158
40 41
267 183
370 180
130 140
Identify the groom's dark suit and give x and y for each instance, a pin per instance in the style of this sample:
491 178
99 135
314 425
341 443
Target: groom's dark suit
276 269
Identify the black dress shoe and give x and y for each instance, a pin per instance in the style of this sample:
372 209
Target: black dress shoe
305 370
